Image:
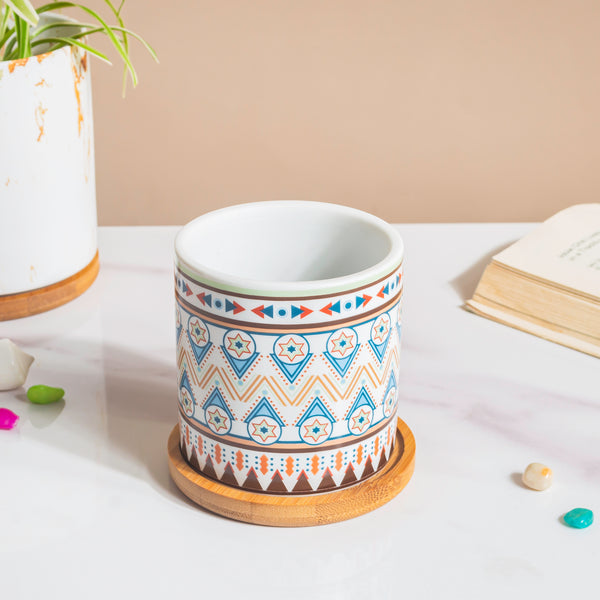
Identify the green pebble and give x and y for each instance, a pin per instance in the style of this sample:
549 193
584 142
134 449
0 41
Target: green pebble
579 518
44 394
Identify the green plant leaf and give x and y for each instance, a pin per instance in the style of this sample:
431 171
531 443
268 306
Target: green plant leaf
23 41
71 41
140 39
91 29
113 38
117 13
24 9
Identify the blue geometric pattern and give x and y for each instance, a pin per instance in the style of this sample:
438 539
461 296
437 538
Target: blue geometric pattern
391 384
342 364
379 349
184 382
239 365
216 399
316 409
363 399
199 351
291 371
264 409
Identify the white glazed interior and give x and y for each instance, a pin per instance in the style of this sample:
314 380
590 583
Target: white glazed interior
289 245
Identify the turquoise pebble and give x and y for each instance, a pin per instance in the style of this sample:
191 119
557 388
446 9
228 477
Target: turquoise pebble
580 518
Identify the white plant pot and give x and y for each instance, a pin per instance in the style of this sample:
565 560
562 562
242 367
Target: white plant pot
47 181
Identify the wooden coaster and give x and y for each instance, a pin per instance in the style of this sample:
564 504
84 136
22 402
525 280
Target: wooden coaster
297 511
24 304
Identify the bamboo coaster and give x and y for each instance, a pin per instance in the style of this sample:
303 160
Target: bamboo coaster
24 304
297 511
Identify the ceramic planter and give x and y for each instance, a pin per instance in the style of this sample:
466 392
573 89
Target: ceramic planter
288 340
47 182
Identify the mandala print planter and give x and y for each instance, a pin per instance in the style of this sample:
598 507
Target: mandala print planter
288 339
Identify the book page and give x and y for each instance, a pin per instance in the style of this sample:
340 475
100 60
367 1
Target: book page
564 250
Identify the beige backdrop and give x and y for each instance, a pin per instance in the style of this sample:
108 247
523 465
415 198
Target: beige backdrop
417 111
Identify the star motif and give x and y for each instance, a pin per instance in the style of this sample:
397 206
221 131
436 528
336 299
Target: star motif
292 349
217 418
361 421
380 331
198 332
238 345
264 431
342 344
316 429
187 402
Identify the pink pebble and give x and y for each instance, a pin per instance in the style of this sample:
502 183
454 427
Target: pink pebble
8 419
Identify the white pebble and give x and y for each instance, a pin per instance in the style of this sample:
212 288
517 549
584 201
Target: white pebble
14 365
537 477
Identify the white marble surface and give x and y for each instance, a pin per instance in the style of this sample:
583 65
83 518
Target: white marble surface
88 510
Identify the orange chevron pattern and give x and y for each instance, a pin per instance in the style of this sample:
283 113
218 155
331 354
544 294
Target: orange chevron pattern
330 389
275 388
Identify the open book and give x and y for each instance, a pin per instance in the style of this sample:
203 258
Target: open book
548 283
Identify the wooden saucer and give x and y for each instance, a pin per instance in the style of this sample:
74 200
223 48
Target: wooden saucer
297 511
24 304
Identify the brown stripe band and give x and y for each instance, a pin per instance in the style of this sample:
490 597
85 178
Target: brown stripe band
279 449
299 327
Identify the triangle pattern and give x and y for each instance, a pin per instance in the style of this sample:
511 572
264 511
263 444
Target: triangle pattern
368 470
277 484
184 382
316 409
391 383
341 365
240 366
199 351
363 399
291 371
252 482
228 477
382 460
209 470
303 485
327 482
264 409
350 476
194 462
380 349
215 399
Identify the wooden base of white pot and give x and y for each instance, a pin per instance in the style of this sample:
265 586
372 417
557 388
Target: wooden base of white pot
297 511
24 304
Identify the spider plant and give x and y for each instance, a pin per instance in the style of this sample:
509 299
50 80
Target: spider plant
22 34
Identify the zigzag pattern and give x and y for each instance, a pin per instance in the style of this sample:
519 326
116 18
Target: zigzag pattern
261 470
242 390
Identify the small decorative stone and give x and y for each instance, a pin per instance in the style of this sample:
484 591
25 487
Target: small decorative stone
8 419
579 518
44 394
14 365
537 477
